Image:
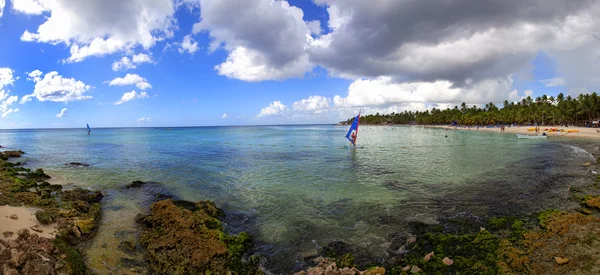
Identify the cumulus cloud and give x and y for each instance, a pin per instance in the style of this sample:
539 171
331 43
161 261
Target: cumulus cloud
56 88
313 104
99 27
188 45
448 40
6 100
62 113
2 4
383 91
315 27
126 63
144 119
131 79
133 95
224 116
265 39
274 109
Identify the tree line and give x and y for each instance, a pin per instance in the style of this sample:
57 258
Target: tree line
544 110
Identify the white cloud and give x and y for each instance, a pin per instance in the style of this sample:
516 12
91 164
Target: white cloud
314 104
274 109
144 119
265 39
6 100
31 7
99 27
131 79
2 4
528 93
62 113
553 82
188 45
383 91
127 63
133 95
315 27
224 116
53 87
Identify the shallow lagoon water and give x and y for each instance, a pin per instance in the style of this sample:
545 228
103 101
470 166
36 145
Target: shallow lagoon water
297 188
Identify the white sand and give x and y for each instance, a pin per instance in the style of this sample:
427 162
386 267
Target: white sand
586 133
26 220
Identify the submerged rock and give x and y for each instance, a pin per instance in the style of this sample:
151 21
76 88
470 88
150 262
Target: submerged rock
135 184
76 164
187 238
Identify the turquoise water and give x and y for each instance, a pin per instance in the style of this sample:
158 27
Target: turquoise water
297 188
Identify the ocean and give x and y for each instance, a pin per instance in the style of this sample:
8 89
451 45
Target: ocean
297 188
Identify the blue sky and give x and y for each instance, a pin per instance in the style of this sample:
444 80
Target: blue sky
331 70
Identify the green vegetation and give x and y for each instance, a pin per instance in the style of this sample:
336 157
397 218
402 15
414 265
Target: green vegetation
543 110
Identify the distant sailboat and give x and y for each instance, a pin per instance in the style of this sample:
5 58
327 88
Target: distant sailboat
89 130
353 131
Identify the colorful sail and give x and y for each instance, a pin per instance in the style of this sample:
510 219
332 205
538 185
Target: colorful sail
353 131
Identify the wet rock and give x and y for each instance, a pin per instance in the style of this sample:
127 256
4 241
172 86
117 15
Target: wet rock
447 261
37 228
114 207
8 234
11 154
132 263
81 206
80 194
406 268
44 217
14 217
127 247
135 184
77 164
173 240
76 231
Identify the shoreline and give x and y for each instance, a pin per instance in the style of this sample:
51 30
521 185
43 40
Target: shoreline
583 132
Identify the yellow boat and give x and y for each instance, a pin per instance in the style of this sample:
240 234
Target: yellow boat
572 131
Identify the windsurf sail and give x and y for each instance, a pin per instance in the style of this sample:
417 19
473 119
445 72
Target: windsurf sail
353 131
89 130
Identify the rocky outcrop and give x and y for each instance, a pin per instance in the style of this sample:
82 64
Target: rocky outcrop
31 254
181 237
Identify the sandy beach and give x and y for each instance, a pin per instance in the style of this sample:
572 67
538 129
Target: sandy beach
25 218
583 132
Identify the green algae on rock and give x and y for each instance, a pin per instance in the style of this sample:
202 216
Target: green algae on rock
182 237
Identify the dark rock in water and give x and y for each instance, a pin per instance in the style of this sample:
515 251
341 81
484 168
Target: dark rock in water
11 154
135 184
130 263
127 247
82 195
77 164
